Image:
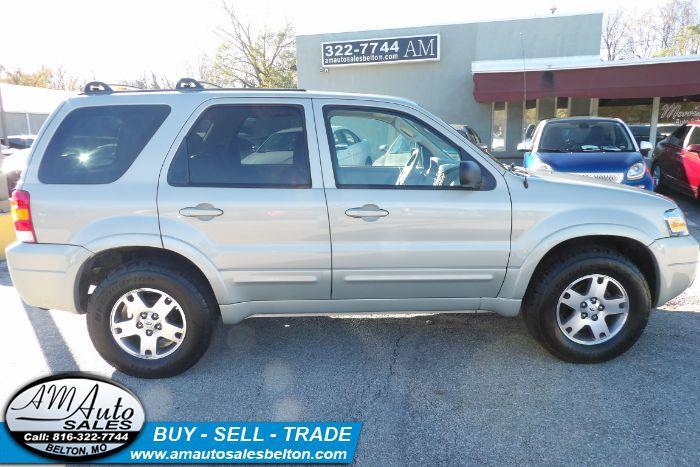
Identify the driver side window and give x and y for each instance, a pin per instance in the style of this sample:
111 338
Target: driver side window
396 150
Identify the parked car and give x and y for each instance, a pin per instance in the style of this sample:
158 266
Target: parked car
13 165
18 141
350 148
175 233
471 135
527 135
642 132
601 148
667 128
676 161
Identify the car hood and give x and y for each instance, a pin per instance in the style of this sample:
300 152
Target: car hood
589 161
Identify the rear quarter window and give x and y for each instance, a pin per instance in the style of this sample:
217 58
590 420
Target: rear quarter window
94 145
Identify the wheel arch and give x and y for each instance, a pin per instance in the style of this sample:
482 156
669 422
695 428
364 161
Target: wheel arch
100 264
631 248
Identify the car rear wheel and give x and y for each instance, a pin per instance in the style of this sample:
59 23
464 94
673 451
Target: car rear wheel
588 307
151 321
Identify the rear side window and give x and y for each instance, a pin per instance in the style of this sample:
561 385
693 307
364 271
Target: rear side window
244 146
95 145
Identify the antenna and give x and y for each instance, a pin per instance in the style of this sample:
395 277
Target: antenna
522 50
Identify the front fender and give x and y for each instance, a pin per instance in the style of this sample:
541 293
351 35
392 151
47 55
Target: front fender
525 259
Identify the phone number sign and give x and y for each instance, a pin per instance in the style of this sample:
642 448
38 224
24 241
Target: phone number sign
389 50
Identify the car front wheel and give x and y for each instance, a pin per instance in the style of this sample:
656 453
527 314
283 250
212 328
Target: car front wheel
588 307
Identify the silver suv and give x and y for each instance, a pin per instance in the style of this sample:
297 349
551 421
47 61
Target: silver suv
156 213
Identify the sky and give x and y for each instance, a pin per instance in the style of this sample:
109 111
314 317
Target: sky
123 39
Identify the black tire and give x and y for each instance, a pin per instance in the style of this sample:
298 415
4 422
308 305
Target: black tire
540 304
196 303
660 185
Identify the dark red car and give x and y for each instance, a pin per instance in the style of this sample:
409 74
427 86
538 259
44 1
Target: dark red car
677 160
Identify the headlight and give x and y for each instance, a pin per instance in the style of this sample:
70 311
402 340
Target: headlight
539 165
636 171
676 222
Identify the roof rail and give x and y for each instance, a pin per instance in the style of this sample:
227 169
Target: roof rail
97 87
183 84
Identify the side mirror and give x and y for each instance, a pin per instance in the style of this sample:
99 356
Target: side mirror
525 146
382 147
341 147
469 175
693 148
645 147
484 147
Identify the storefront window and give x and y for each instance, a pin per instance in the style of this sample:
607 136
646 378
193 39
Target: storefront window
631 111
679 110
498 127
529 116
562 110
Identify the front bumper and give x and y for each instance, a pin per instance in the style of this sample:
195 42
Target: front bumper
646 182
45 274
677 262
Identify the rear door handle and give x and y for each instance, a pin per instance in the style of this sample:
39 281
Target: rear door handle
368 212
204 211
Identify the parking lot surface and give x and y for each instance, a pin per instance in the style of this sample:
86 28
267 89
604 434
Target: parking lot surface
445 389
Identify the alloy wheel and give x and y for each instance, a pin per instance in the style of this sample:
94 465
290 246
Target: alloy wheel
148 323
592 309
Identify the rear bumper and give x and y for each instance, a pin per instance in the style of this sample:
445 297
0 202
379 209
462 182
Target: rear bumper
677 261
45 274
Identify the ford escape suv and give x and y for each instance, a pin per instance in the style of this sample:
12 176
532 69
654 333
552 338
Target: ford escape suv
156 213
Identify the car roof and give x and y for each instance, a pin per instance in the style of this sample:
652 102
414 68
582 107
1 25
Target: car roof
208 93
583 119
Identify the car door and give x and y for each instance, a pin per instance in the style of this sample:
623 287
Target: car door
690 160
400 231
256 211
671 164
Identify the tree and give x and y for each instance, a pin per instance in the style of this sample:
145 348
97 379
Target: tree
45 77
254 58
40 78
673 29
150 80
613 34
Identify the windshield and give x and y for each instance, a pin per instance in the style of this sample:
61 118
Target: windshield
585 136
282 141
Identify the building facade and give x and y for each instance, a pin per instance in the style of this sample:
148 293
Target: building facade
500 77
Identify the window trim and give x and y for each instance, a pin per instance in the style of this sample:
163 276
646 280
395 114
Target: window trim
334 157
43 181
201 115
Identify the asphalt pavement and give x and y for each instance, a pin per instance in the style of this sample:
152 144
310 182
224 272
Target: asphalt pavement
444 389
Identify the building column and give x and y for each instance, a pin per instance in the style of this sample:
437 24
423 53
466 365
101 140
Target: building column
594 107
655 103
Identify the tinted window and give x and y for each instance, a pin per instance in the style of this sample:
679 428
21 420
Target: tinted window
403 152
679 135
98 144
584 136
244 146
694 136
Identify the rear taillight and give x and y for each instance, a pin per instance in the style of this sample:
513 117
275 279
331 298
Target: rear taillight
22 216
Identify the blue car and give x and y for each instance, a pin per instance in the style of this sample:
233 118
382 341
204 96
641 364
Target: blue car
602 148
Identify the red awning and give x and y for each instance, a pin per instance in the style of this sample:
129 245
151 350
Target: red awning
606 82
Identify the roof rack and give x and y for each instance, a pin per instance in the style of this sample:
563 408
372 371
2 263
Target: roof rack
95 87
183 84
188 84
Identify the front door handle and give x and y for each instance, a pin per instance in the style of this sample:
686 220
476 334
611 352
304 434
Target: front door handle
203 211
368 212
